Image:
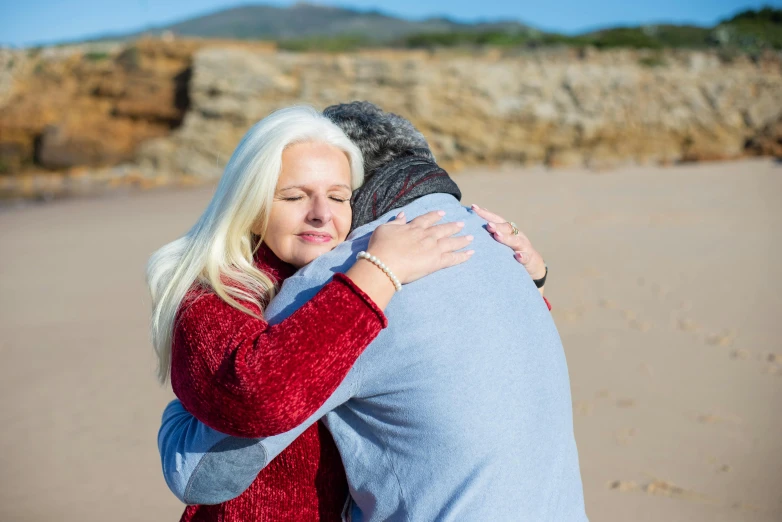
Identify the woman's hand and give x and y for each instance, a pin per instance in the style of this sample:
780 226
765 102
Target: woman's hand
411 251
525 253
418 248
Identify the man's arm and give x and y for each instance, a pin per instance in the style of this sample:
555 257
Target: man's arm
184 442
204 466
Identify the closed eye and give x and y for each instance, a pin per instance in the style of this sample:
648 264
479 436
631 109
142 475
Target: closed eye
297 198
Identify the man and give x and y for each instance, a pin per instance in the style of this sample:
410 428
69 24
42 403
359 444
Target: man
459 410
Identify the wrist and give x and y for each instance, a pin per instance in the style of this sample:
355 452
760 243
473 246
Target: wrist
389 259
370 272
378 263
372 282
541 280
539 273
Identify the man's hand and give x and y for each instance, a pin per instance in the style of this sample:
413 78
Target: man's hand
502 231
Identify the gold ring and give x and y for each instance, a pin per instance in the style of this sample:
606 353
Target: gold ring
515 229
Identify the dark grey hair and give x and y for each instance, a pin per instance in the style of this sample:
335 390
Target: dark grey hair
381 136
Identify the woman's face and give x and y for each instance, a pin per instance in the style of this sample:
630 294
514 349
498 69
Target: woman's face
311 211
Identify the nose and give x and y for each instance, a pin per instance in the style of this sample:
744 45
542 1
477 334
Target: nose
320 211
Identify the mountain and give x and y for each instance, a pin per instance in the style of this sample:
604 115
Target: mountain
310 27
304 20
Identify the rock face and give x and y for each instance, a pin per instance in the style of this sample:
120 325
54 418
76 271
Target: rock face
180 107
71 108
90 106
554 107
768 142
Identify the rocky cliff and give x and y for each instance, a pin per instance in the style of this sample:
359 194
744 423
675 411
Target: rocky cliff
175 110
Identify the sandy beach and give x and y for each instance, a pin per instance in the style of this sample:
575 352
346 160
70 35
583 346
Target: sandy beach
666 290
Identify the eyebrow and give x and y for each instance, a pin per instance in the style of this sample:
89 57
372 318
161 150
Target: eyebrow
304 186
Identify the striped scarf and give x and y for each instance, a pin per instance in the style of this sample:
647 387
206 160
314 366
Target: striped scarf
398 183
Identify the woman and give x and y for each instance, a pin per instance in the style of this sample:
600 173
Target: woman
283 200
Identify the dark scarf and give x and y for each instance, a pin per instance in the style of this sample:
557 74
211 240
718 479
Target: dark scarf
398 183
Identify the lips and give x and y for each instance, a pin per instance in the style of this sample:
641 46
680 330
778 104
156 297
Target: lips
314 237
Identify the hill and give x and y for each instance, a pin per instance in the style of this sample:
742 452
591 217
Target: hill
304 20
306 26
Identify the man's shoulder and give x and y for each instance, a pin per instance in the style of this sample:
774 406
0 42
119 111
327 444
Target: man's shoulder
306 282
338 260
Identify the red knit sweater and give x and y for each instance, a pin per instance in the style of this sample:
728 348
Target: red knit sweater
239 375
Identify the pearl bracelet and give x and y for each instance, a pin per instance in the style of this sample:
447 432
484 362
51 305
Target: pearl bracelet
378 263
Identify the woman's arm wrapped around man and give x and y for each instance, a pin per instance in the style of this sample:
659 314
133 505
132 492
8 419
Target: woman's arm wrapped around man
242 376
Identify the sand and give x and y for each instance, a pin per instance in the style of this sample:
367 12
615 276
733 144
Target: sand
666 291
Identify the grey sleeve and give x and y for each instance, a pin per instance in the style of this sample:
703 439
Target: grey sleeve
183 441
204 466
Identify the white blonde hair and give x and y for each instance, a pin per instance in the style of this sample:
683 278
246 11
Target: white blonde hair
217 253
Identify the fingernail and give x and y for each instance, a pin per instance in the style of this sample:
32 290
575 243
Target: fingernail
470 252
475 206
460 224
498 234
441 212
520 256
469 238
400 215
490 226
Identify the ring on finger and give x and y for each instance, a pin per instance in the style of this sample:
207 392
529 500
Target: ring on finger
514 228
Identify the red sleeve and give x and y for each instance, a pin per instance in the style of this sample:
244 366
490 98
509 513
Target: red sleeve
244 377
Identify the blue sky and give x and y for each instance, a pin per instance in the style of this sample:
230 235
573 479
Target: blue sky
32 22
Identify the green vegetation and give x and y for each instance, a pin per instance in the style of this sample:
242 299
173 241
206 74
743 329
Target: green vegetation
767 14
95 56
651 37
749 31
492 38
752 30
464 38
333 44
629 37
